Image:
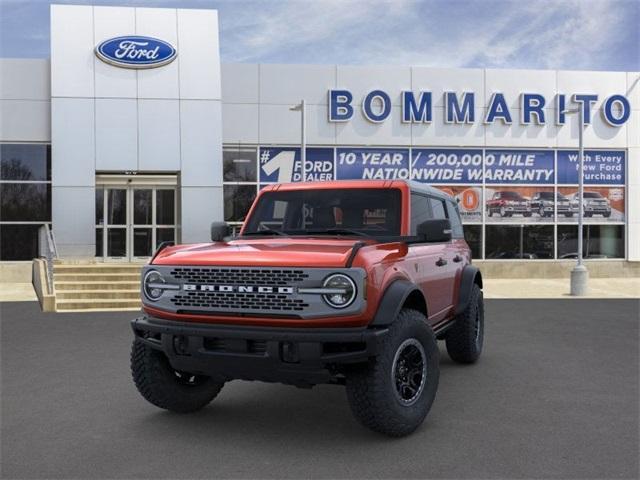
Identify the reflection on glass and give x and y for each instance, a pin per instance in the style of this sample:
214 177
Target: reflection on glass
237 200
116 242
25 202
473 236
165 207
142 207
165 235
99 206
142 242
18 242
99 242
598 241
117 207
529 242
239 164
25 162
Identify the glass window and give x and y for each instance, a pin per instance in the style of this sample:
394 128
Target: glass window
142 206
368 211
117 206
18 242
165 235
25 162
473 236
116 242
598 241
237 201
528 242
99 242
165 207
99 206
420 211
142 243
454 218
438 208
25 202
239 164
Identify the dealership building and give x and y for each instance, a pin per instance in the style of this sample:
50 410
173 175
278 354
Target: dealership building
117 157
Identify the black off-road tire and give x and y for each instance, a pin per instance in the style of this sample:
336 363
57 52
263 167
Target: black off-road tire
464 339
166 388
372 389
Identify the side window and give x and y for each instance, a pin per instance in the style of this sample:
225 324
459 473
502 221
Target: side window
420 211
438 208
456 222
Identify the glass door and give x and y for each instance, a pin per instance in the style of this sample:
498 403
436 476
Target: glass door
132 221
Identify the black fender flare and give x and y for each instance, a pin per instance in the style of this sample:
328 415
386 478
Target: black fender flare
470 275
392 301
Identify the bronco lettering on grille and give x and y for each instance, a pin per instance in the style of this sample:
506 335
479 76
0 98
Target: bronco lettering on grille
237 288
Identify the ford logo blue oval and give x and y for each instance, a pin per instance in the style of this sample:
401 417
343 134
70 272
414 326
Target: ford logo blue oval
134 51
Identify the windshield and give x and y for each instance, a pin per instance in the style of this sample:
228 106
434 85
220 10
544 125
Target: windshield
546 195
358 212
511 196
592 195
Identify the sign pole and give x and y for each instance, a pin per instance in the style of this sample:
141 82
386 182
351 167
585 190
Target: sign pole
303 140
580 274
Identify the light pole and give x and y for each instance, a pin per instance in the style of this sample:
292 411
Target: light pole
580 274
303 135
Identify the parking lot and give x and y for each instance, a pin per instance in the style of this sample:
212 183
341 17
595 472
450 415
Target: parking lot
555 395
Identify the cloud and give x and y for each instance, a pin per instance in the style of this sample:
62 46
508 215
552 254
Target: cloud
543 34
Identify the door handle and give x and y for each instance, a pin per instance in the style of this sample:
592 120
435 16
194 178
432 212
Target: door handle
441 262
457 258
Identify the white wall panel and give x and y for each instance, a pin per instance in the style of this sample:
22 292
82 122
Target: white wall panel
603 84
288 84
633 89
111 81
319 130
279 125
116 134
24 79
439 133
240 123
633 129
159 82
514 82
199 54
440 80
201 127
597 135
25 121
361 80
200 206
519 135
360 131
73 213
240 83
158 135
73 142
72 56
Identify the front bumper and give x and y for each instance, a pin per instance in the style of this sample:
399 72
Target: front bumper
298 356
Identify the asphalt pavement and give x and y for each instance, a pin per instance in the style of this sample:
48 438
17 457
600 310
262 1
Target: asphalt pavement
555 395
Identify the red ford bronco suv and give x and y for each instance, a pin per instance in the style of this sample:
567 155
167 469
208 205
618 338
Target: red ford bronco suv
342 282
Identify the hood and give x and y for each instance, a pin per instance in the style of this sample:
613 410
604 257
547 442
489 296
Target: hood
270 252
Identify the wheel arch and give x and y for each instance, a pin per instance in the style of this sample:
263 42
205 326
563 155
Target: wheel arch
471 275
398 295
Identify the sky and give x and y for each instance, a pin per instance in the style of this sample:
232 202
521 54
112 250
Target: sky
534 34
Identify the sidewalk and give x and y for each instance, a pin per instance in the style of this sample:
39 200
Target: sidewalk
493 288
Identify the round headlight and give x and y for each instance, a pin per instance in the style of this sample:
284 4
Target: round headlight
152 285
341 291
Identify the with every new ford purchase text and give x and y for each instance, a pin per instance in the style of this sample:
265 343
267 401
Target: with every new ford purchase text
342 282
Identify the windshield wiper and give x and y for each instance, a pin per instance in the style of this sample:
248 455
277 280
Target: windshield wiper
338 231
266 231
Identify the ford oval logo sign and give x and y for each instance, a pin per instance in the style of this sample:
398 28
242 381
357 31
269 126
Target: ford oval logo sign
134 51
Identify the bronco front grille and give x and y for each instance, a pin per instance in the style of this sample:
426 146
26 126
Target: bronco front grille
239 276
219 301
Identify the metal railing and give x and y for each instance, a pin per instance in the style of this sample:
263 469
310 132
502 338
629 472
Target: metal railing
47 249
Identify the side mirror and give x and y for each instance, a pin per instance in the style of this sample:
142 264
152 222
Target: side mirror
219 230
436 231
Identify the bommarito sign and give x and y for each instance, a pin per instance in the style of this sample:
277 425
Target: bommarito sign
460 108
